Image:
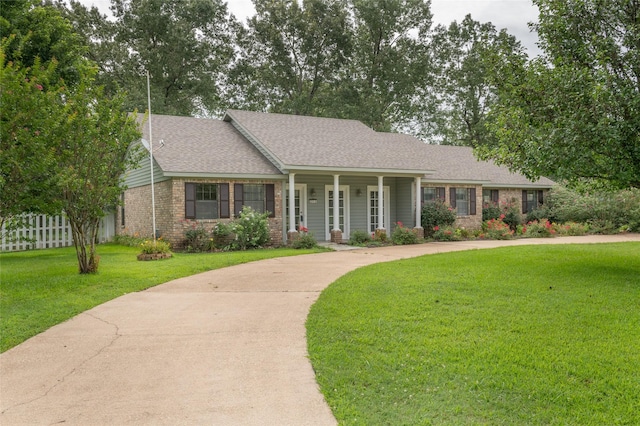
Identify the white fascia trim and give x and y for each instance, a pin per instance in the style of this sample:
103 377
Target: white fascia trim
254 141
525 186
225 176
310 170
455 182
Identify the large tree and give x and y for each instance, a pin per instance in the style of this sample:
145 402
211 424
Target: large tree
573 114
63 147
452 108
186 46
291 52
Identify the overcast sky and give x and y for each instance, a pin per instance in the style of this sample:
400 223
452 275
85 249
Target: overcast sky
514 15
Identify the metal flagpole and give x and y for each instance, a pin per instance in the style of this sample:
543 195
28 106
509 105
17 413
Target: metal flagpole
153 195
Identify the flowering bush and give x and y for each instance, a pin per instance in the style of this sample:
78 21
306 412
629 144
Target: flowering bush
222 236
157 247
197 239
446 233
539 229
402 235
438 214
496 229
251 229
304 240
572 229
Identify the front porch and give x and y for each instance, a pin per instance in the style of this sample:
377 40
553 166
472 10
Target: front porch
359 208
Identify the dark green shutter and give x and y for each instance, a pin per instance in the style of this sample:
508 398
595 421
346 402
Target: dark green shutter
422 196
440 193
495 196
223 196
472 201
540 195
270 199
189 200
524 201
238 198
452 197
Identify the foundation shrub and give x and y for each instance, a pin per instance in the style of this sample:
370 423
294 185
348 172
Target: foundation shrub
572 229
251 230
436 214
402 235
490 211
304 240
196 238
359 238
446 233
222 236
496 229
539 229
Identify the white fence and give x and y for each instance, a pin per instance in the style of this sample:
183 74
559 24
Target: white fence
49 231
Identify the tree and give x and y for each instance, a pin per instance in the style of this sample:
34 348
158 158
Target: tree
390 61
573 113
63 147
292 53
92 146
453 107
185 45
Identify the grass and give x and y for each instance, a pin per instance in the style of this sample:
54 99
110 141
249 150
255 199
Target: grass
42 288
517 336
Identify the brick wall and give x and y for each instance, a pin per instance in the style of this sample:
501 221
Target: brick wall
170 210
470 221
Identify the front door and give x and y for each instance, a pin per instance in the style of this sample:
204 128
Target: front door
300 200
343 218
372 217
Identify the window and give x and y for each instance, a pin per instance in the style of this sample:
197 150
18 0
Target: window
429 195
531 200
206 200
260 197
463 200
490 196
122 209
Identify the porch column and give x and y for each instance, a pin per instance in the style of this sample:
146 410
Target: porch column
380 203
336 233
292 207
418 227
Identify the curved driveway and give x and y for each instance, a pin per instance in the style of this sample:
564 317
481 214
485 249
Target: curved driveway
222 347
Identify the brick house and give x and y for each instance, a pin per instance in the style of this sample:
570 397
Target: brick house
206 170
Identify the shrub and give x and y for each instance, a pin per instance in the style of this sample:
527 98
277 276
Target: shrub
436 214
251 229
539 229
304 241
512 216
157 247
402 235
222 236
490 211
197 239
446 234
359 238
128 240
496 229
572 229
380 236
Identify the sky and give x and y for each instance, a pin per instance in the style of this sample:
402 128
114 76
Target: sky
514 15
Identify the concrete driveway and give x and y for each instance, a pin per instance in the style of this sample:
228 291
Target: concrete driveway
222 347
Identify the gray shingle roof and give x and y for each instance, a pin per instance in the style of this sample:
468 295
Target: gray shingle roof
208 146
457 163
202 145
301 141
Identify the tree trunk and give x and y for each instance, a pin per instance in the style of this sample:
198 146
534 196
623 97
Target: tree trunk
84 234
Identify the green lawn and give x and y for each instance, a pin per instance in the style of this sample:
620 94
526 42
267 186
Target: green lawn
514 336
42 288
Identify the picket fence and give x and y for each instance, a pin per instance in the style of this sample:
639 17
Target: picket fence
48 232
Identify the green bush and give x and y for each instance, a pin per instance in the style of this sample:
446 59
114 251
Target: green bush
155 247
128 240
222 236
539 229
304 241
446 233
403 236
359 238
251 230
436 214
197 239
490 211
572 229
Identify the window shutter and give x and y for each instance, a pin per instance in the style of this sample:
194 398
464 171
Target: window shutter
189 200
238 195
495 196
270 198
452 197
524 201
472 201
223 195
440 191
540 195
422 196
